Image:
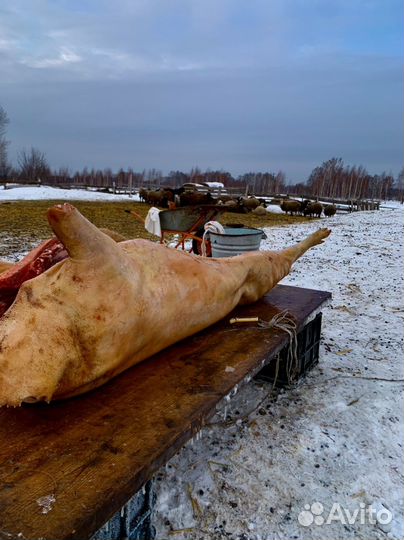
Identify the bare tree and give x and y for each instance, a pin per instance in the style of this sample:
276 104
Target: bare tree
399 185
33 166
64 174
280 181
5 167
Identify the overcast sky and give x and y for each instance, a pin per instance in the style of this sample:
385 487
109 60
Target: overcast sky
239 85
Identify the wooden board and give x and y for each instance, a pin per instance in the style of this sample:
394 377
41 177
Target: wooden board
88 455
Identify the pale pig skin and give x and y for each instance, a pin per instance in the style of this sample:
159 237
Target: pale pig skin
109 306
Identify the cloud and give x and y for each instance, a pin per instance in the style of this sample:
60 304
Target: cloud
244 85
128 37
65 56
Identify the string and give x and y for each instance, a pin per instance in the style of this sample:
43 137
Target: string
283 321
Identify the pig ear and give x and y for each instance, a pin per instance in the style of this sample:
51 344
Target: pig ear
80 237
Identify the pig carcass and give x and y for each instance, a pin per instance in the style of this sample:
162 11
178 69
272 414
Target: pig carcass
109 305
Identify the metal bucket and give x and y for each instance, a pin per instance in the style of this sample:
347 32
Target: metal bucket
235 241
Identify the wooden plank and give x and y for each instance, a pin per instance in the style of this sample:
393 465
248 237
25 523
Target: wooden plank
67 467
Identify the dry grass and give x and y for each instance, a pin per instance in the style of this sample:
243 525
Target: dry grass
23 224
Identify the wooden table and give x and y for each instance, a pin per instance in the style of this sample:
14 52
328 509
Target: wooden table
67 467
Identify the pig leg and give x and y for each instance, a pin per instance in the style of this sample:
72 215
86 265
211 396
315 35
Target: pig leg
267 268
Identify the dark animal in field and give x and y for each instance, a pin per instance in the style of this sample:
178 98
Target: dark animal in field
159 197
231 202
250 203
173 192
303 205
313 209
235 206
259 211
330 210
225 198
293 207
190 199
143 194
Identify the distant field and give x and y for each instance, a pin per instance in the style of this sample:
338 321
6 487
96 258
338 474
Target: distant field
23 224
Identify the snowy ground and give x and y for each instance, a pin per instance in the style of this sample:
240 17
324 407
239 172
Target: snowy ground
35 193
336 440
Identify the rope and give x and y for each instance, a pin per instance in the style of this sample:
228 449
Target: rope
211 226
282 321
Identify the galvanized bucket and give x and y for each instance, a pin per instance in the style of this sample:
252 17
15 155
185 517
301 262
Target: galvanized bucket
235 241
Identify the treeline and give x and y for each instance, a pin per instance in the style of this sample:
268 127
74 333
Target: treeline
33 168
335 180
332 179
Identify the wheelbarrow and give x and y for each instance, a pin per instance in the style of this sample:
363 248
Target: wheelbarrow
187 222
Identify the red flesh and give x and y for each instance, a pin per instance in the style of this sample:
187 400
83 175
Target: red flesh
36 262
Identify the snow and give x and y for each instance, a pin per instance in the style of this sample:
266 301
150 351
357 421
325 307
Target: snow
216 185
335 440
35 193
274 209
